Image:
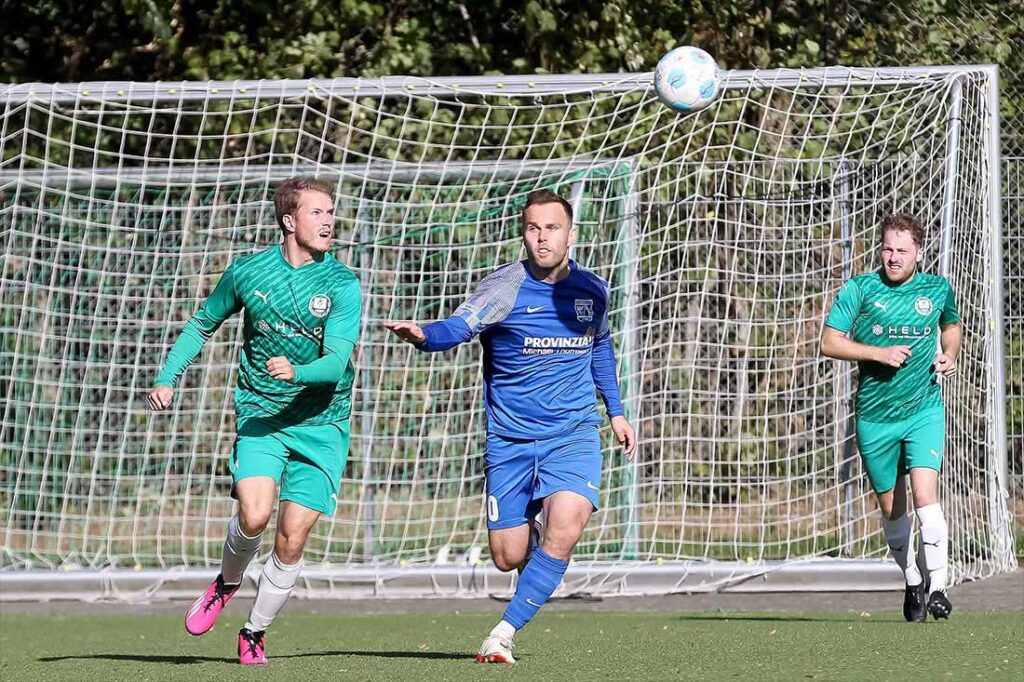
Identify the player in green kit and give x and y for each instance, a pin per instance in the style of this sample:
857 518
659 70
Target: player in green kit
891 321
292 401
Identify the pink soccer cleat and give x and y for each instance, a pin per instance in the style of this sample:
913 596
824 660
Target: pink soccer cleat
204 611
251 650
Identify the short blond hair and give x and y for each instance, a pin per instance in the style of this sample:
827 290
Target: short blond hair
288 192
904 222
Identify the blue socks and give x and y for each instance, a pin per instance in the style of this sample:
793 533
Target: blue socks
538 582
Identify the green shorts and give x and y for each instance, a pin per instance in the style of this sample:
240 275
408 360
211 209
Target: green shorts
306 460
888 450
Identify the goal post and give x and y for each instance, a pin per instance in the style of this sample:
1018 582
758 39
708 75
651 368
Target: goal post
724 235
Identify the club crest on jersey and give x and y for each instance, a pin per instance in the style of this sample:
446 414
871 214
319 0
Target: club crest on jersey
877 330
320 305
923 305
585 309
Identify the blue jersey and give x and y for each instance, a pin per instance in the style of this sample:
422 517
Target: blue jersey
546 346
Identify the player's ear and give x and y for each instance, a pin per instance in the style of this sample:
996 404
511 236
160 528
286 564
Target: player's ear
920 255
572 235
288 222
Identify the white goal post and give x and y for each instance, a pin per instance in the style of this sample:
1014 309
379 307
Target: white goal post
724 235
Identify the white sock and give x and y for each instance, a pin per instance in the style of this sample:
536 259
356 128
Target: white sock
239 549
934 544
276 583
504 630
897 534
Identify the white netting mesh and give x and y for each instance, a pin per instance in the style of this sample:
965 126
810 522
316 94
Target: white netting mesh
724 235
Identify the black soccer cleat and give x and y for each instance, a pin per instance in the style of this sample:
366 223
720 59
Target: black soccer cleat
939 606
915 603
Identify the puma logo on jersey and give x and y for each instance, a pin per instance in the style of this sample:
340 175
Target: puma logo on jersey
260 294
883 306
935 454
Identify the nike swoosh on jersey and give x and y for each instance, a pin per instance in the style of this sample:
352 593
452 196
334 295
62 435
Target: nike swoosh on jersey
531 309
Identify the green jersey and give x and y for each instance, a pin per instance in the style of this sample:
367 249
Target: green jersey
878 313
310 315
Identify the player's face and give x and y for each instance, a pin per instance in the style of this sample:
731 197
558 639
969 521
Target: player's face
312 222
547 235
900 255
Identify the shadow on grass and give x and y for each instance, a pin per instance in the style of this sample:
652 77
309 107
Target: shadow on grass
786 618
186 660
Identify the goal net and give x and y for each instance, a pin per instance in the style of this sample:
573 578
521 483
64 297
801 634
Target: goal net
724 234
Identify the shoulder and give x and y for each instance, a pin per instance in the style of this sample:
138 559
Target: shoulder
856 286
506 274
254 258
935 281
339 272
251 262
592 280
867 280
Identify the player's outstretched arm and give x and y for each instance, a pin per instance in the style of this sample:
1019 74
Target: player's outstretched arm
222 304
410 332
435 337
488 305
835 344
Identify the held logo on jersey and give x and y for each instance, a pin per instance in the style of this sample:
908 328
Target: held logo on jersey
320 305
567 345
909 332
923 305
288 331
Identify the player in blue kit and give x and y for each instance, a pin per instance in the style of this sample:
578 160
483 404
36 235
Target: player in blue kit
543 325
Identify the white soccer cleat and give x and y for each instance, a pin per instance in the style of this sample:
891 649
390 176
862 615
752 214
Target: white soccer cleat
496 650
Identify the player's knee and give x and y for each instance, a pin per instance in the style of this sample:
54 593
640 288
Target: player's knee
253 519
559 543
505 560
288 546
924 498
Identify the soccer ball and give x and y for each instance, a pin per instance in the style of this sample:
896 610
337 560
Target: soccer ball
687 79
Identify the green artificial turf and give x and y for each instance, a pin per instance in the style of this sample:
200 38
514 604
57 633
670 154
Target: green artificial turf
556 646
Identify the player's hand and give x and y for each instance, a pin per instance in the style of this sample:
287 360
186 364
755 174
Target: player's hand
410 332
160 398
944 365
280 368
893 356
625 435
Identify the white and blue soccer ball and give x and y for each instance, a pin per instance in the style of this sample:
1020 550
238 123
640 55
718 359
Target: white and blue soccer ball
687 79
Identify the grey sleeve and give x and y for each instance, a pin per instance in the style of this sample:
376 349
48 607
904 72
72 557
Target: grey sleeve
493 299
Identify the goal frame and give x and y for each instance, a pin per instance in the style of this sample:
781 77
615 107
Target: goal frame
472 579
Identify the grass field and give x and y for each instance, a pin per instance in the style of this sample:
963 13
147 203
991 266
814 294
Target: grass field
563 646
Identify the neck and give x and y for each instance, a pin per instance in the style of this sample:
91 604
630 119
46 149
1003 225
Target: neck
296 255
550 275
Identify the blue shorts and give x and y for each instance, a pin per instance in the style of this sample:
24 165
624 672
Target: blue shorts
521 473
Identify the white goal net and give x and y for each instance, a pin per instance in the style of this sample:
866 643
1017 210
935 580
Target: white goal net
724 235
